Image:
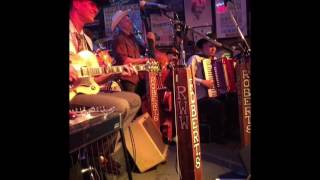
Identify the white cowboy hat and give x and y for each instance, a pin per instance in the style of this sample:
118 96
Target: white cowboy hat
116 18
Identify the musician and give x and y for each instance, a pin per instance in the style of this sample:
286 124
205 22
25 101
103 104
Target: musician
127 49
210 109
126 103
82 12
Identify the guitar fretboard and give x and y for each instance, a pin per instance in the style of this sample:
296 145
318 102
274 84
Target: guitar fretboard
94 71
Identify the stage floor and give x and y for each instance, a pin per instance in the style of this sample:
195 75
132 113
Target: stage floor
219 161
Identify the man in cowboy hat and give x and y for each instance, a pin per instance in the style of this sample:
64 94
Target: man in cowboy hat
126 48
82 12
211 109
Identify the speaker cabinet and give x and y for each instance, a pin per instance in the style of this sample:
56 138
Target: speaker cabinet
144 143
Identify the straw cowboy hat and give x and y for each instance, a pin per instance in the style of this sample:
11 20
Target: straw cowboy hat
116 18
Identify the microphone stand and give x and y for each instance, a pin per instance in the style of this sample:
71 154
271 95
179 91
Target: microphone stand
243 73
189 166
246 51
186 28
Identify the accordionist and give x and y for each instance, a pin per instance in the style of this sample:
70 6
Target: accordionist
211 109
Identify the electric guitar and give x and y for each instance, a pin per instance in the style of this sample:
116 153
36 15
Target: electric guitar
86 65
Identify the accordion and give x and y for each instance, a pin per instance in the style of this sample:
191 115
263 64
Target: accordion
210 75
222 72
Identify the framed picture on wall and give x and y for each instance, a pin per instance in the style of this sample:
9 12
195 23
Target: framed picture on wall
225 28
198 12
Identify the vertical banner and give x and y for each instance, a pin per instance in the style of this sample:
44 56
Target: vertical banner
198 12
244 100
225 27
152 106
188 132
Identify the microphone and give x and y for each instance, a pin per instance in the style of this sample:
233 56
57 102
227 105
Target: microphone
219 44
153 5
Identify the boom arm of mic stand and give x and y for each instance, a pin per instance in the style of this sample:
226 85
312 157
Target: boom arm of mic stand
212 40
200 34
239 30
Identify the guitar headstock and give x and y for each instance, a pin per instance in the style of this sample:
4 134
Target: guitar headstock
153 66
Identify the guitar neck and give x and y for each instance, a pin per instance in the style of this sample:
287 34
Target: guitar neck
120 69
94 71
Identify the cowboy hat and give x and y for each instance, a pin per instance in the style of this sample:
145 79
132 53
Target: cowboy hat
116 18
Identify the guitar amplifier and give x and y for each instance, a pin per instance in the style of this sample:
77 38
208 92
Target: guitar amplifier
144 143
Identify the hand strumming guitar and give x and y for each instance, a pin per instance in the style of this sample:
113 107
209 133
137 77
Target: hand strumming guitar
73 76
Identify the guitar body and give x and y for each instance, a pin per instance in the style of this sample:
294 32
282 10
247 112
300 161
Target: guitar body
91 87
87 85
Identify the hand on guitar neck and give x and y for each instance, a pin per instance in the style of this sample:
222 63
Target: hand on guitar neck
128 70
